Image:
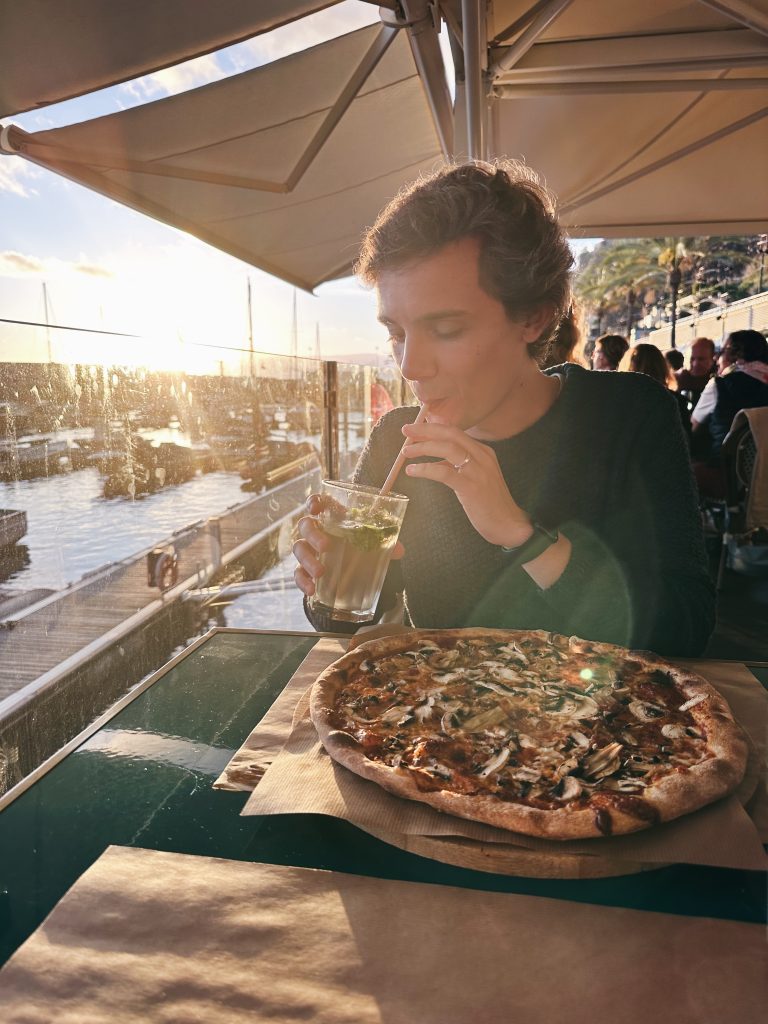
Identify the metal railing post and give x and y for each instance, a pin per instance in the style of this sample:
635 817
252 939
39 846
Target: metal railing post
330 419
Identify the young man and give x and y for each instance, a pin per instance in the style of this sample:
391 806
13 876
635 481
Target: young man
559 500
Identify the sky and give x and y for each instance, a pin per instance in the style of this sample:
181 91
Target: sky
71 257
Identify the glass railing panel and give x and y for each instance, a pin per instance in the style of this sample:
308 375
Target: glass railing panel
354 414
144 500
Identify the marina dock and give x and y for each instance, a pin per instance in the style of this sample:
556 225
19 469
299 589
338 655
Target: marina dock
53 652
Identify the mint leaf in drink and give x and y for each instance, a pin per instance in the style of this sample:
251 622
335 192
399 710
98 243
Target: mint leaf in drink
367 529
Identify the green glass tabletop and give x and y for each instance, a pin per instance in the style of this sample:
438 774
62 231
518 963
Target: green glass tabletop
144 778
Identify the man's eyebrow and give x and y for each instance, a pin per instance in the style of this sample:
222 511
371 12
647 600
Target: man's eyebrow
440 314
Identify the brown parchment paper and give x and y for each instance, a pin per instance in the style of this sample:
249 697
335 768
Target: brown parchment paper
304 779
145 937
266 741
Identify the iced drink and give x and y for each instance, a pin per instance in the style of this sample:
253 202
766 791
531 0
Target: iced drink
362 527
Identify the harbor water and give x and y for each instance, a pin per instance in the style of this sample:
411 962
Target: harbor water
73 530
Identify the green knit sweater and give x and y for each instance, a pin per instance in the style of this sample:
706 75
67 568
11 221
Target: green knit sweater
608 465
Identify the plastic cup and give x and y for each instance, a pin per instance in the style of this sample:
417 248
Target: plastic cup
362 526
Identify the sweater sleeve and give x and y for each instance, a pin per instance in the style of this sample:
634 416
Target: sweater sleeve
644 582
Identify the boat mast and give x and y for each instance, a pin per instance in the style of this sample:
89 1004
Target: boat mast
47 321
294 365
250 334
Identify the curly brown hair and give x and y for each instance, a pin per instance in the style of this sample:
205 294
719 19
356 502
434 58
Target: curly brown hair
525 260
649 360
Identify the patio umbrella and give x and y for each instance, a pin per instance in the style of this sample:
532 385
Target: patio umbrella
52 50
645 119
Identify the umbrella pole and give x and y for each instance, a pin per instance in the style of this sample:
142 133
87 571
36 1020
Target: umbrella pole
474 86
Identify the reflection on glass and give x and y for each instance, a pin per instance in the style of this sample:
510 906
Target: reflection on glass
151 498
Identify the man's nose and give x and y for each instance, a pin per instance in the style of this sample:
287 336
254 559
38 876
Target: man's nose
417 362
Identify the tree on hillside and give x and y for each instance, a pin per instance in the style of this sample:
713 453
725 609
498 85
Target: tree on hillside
621 279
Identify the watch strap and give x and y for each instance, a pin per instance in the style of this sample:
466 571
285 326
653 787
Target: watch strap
541 539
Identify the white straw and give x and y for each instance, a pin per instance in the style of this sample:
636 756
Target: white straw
397 465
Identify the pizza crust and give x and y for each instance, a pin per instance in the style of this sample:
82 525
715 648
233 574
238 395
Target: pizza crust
673 795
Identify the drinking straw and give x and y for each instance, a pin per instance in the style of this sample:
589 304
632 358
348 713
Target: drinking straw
349 570
397 465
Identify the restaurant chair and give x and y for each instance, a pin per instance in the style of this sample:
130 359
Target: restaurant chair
743 513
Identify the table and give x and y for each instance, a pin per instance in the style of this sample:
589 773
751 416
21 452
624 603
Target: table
142 774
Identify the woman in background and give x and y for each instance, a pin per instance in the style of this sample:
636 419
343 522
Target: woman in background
649 360
566 346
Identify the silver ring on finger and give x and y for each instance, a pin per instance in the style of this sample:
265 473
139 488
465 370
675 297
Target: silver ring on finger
460 465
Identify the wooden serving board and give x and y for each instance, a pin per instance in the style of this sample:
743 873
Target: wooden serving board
504 859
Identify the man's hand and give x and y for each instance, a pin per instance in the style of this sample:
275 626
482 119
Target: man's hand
312 543
472 471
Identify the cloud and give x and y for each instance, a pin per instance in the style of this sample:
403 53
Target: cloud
41 122
303 33
270 46
169 81
14 174
17 264
93 269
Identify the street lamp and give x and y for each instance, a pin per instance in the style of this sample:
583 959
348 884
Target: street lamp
762 248
675 277
600 315
631 300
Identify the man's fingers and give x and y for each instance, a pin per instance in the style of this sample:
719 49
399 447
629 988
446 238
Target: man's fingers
450 451
397 552
315 504
307 558
310 530
435 432
304 582
442 472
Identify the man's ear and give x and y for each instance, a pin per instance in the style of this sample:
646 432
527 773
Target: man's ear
535 322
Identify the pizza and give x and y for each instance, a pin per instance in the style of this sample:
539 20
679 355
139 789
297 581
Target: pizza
529 731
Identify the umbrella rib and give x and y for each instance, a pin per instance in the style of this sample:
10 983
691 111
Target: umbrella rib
742 12
656 165
357 79
611 87
646 144
519 24
538 24
153 167
343 190
97 182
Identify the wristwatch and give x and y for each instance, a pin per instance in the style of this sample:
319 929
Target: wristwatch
541 539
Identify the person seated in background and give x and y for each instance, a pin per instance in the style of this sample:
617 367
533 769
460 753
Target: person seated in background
647 359
702 366
675 358
609 351
565 343
559 500
742 383
381 401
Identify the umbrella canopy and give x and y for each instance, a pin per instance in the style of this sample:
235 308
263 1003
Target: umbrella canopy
645 119
52 50
282 177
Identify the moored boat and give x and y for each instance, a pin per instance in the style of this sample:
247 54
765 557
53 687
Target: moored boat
13 526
